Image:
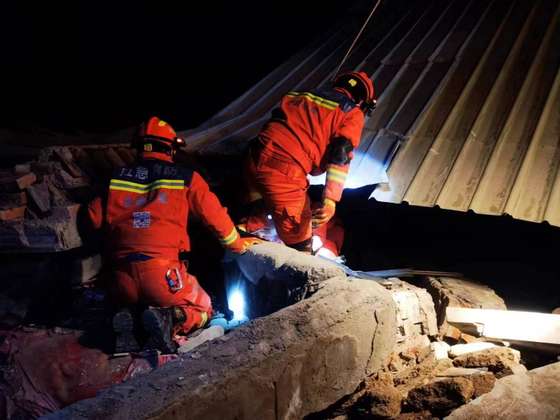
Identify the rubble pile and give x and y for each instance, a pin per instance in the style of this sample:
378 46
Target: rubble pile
39 200
425 385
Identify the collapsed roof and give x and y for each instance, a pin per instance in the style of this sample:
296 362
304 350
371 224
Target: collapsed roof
468 114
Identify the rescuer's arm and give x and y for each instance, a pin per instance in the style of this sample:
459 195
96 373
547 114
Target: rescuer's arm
208 208
339 155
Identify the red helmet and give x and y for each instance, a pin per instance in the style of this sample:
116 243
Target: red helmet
358 85
156 130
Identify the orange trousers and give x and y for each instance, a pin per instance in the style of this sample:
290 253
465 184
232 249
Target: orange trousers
283 185
144 282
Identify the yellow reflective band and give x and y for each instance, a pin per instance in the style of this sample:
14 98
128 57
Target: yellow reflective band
231 238
170 184
325 103
336 172
336 179
336 175
203 320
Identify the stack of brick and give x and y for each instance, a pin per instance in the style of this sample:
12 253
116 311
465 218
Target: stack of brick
39 200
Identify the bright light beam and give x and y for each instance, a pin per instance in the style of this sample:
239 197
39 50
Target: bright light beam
236 303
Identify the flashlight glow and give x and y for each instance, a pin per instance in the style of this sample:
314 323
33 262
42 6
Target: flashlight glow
316 243
236 303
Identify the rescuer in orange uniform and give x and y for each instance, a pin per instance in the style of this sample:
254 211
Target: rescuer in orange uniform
310 132
144 218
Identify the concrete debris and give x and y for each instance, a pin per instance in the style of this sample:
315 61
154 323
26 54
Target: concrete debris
297 360
440 397
415 311
451 333
440 349
483 383
380 399
530 395
501 361
447 291
203 336
460 349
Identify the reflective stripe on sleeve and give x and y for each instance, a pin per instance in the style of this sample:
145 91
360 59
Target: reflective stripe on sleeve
231 238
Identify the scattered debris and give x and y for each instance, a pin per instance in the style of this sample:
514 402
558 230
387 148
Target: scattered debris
440 349
440 397
460 349
529 395
379 399
200 337
501 361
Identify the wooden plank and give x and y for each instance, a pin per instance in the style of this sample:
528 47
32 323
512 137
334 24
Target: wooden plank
500 174
509 325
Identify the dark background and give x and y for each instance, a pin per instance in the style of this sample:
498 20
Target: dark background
99 66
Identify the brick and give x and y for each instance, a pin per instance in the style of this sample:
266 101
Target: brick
11 200
127 154
17 182
39 196
114 158
12 214
65 157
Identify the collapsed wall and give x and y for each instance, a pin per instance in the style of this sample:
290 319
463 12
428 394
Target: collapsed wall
293 362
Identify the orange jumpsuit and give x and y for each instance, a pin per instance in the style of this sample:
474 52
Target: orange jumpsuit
145 220
293 144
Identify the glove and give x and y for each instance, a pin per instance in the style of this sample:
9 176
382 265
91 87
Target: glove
323 214
241 245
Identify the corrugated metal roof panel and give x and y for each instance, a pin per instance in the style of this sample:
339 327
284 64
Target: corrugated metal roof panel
468 114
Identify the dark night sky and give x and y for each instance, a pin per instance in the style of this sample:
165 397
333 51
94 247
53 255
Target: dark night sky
102 65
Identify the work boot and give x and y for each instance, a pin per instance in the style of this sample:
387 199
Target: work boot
123 326
159 323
